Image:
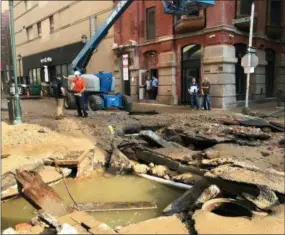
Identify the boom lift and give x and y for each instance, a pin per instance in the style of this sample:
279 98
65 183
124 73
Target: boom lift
99 85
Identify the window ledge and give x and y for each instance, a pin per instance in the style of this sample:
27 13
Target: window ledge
190 24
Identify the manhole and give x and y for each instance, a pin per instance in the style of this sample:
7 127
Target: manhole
227 207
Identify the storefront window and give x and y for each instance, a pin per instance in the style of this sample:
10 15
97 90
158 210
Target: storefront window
31 76
34 76
39 75
58 69
64 70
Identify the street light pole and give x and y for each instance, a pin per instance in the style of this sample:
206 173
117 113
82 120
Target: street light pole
249 53
18 114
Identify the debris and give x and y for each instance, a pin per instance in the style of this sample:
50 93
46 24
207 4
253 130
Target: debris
229 122
119 163
50 220
201 141
67 229
4 155
41 195
265 200
41 131
249 134
217 224
116 206
252 176
9 231
265 154
159 170
149 112
140 168
8 179
85 164
212 154
23 226
149 156
161 225
227 207
187 178
282 142
187 200
151 165
132 129
154 139
73 158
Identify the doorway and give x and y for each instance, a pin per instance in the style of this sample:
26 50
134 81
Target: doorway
269 72
241 50
191 67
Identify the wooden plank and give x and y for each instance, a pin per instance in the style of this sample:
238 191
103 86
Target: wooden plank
39 194
116 206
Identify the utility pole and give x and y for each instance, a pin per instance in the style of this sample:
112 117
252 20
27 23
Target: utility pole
249 54
18 114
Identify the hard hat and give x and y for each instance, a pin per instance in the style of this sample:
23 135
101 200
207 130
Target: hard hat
77 73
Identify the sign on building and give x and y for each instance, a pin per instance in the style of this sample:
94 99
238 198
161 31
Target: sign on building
125 59
92 25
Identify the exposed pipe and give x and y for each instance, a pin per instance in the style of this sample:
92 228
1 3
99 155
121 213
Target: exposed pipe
166 182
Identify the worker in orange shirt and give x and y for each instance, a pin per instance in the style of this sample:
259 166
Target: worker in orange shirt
79 88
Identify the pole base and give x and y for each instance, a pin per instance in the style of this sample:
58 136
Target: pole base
17 121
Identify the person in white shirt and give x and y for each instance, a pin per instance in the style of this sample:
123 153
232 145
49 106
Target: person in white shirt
194 97
148 85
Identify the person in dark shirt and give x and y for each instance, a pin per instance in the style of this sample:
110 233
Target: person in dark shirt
206 85
59 96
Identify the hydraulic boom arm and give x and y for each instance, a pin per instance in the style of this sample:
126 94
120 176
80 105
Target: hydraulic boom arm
176 7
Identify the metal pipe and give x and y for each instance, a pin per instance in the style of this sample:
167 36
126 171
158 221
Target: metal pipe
18 114
249 54
166 182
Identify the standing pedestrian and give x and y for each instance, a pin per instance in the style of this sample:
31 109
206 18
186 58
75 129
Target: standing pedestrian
59 97
148 85
194 97
206 85
79 88
154 87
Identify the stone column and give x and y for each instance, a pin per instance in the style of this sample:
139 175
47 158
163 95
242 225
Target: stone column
131 50
218 65
167 78
280 72
257 89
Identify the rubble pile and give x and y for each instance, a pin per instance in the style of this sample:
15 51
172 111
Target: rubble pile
234 169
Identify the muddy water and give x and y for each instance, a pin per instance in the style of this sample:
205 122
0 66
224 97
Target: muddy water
101 188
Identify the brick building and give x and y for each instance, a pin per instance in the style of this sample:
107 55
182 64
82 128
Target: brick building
6 54
49 35
208 43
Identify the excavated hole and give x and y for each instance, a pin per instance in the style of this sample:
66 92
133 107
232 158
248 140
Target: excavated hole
230 209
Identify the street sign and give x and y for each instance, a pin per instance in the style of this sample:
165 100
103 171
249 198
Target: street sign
253 60
248 70
251 50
